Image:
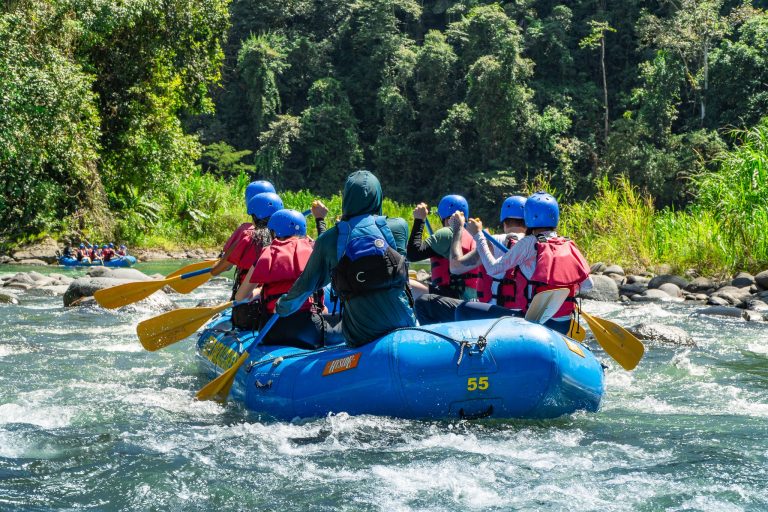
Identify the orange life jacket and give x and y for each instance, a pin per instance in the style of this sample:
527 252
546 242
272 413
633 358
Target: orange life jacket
443 278
278 267
559 264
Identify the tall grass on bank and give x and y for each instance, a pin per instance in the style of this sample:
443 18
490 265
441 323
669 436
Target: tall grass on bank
725 230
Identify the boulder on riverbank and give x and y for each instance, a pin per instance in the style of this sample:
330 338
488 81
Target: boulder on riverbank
666 334
659 280
82 288
605 289
761 280
7 298
43 250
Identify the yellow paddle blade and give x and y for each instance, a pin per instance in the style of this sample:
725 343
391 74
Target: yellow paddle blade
218 389
545 304
617 342
166 329
189 284
128 293
576 331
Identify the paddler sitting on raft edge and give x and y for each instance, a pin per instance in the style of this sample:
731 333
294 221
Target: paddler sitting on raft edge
513 223
447 289
364 254
274 273
541 260
244 230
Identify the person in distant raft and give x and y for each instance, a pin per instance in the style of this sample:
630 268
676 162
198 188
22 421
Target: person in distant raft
501 286
247 251
542 261
274 273
447 289
83 254
122 251
364 255
243 230
107 253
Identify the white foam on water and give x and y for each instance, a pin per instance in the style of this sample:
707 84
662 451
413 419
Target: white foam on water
49 417
683 361
13 350
708 503
448 479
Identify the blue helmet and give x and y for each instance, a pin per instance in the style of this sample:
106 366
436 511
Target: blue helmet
450 203
287 223
82 246
263 205
111 245
104 246
512 208
257 187
123 247
541 211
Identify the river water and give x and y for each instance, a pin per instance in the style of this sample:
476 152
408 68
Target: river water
89 420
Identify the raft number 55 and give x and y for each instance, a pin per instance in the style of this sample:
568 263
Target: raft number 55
475 383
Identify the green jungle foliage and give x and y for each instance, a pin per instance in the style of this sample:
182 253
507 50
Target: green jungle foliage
143 120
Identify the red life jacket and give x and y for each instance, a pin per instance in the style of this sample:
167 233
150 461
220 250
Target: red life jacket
279 266
443 278
244 254
237 235
506 291
559 264
107 254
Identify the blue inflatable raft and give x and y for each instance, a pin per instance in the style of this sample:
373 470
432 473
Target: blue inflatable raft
122 261
503 368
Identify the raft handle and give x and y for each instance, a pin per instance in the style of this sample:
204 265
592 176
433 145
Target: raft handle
477 416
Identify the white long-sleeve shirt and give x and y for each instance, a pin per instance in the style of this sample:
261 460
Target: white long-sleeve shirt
522 255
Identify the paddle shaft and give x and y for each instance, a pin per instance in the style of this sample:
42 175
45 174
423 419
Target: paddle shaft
193 274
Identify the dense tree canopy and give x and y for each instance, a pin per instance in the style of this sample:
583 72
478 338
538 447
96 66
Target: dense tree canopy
118 106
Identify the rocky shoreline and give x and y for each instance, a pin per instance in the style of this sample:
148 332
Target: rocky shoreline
744 295
45 251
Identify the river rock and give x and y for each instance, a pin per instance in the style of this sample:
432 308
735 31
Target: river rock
671 289
762 279
755 316
701 285
634 279
130 274
633 289
614 269
605 289
734 296
7 298
743 279
659 280
717 301
654 295
33 262
722 311
660 333
86 286
43 250
54 290
21 277
598 268
618 278
4 260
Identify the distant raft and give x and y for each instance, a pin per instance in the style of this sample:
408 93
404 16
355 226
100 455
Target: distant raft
501 368
118 261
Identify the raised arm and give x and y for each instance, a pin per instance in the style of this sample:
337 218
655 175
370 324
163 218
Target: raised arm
417 250
461 263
